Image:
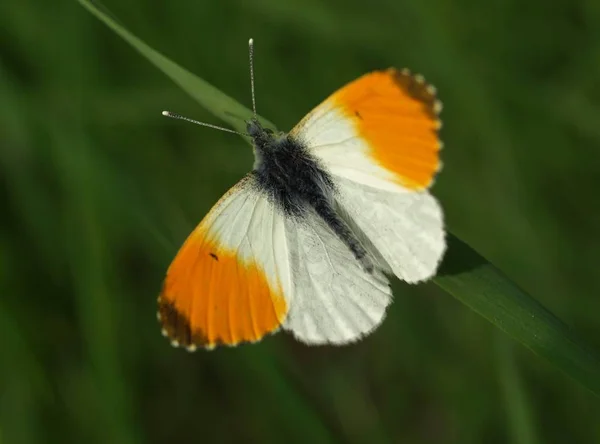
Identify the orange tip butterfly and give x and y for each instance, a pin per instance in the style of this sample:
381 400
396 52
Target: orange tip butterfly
305 241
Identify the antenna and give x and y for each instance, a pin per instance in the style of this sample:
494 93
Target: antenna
187 119
220 128
251 53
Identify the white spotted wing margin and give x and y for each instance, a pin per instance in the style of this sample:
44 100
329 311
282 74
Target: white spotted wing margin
335 300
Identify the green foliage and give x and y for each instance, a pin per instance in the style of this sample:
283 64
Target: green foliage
99 191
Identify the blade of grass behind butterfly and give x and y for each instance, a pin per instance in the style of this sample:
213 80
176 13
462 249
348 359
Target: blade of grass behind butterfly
213 100
479 285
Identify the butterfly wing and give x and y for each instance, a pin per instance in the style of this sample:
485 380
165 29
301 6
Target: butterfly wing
335 299
406 229
231 281
377 136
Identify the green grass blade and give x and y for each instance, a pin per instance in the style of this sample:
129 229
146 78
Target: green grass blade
478 284
209 97
465 274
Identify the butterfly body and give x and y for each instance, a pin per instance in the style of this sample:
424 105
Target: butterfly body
306 240
293 179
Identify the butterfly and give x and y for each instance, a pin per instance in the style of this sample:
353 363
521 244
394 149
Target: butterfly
306 241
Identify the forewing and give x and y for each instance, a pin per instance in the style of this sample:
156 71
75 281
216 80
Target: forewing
230 281
378 138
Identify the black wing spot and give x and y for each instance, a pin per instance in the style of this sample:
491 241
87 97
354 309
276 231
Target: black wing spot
214 256
176 324
358 115
416 87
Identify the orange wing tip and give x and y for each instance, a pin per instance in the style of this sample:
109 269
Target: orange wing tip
392 109
417 87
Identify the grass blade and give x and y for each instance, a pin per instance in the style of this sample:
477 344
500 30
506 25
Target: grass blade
209 97
478 284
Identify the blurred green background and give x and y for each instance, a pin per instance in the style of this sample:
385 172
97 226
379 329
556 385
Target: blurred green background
98 190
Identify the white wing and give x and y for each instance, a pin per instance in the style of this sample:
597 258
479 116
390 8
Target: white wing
405 228
335 299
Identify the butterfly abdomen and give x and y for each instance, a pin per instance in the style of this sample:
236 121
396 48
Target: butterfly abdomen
341 229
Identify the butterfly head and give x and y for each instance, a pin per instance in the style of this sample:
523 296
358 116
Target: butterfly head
261 136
